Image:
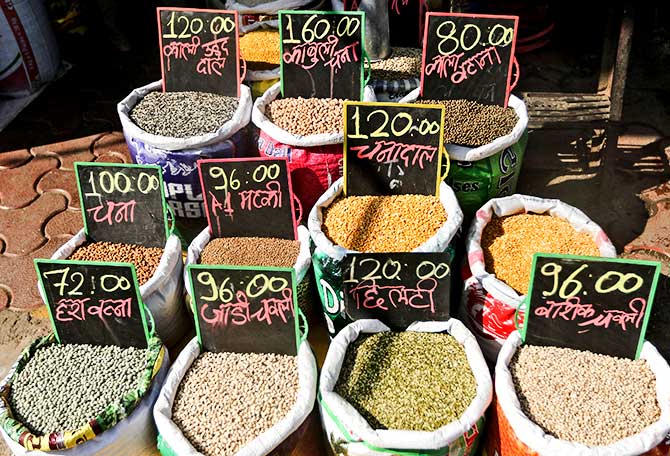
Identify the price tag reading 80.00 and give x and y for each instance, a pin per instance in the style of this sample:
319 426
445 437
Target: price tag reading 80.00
245 309
93 303
590 303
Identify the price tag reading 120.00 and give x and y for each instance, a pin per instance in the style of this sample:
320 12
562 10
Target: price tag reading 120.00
590 303
123 203
322 54
93 303
199 50
392 148
468 56
245 309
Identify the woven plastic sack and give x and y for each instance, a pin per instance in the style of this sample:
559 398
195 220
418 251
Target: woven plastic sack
327 257
315 161
177 157
478 174
163 292
126 430
29 55
278 440
489 305
513 434
348 432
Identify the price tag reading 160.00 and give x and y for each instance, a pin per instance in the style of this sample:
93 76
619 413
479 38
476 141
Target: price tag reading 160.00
586 303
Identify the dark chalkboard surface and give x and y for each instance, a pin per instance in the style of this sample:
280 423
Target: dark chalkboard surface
93 303
248 197
397 288
245 309
123 203
468 56
590 303
322 54
199 50
392 148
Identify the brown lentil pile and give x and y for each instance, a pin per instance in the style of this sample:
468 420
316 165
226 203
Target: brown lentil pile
145 259
409 380
260 48
398 223
473 124
225 400
404 63
307 116
582 396
251 251
510 242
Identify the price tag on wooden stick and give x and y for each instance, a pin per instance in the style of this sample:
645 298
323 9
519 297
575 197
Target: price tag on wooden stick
93 303
392 148
468 56
245 309
199 50
590 303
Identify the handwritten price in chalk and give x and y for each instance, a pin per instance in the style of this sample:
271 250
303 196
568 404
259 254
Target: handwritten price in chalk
400 125
314 29
229 182
611 281
391 270
470 36
70 283
194 25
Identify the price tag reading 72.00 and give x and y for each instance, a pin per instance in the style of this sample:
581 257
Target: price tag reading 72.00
392 148
245 309
93 303
590 303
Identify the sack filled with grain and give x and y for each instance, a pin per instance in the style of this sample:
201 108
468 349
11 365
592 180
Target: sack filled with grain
370 407
260 48
500 244
402 223
557 401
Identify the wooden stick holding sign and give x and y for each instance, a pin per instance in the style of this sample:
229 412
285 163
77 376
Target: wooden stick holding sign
468 56
199 50
93 303
248 197
393 148
322 54
123 203
245 309
590 303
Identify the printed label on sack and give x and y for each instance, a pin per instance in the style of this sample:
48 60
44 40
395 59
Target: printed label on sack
93 303
245 309
199 50
590 303
123 203
468 56
392 149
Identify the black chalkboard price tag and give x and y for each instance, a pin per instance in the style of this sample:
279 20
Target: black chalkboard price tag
248 197
468 56
93 303
123 203
245 309
397 288
322 54
392 148
590 303
199 50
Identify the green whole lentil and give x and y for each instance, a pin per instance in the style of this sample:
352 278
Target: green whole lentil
63 387
183 114
251 251
409 380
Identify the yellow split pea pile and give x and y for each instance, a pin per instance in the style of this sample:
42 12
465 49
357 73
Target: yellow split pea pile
260 48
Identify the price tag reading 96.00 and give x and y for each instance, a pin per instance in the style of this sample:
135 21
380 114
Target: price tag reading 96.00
322 54
468 56
245 309
93 303
393 148
590 303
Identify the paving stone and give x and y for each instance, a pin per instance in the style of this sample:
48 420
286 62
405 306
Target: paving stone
112 142
4 298
18 187
19 277
21 229
14 158
68 152
68 222
63 182
112 157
